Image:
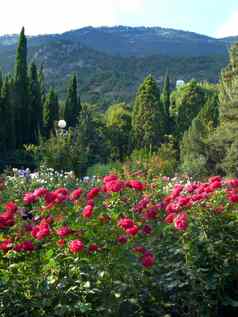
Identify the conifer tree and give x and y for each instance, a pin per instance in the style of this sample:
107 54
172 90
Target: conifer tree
165 98
187 102
21 97
223 145
50 113
35 108
148 122
72 104
1 80
7 134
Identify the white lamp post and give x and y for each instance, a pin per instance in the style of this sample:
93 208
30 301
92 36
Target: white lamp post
62 124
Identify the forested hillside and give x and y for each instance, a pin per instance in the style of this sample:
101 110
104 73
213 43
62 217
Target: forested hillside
95 54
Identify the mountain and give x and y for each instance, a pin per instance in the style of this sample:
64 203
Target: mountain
146 41
112 61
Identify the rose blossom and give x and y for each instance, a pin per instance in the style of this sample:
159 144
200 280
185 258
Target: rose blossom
181 221
76 246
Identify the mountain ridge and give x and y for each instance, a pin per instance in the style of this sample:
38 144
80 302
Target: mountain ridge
110 68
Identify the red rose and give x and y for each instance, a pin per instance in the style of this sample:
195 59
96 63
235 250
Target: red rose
139 249
63 231
109 178
25 246
132 231
148 260
181 221
125 223
114 186
87 212
76 194
122 239
93 193
76 246
6 245
40 192
170 218
29 198
147 229
93 248
135 185
11 207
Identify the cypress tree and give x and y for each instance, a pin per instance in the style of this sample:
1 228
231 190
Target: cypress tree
1 80
165 98
7 134
22 118
50 113
148 122
72 104
36 108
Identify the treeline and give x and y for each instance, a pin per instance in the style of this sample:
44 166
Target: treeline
29 112
194 126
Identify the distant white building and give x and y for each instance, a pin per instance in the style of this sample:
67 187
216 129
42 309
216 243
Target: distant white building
180 83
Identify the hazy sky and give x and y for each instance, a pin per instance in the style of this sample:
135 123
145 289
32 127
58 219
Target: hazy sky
212 17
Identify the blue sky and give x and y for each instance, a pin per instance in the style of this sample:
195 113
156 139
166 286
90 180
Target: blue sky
212 17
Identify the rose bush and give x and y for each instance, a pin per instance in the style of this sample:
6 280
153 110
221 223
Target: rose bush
120 248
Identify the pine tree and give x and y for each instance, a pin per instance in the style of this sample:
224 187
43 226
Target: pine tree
72 104
50 113
36 108
148 122
21 92
165 98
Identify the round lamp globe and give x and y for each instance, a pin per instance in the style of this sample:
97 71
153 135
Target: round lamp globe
62 124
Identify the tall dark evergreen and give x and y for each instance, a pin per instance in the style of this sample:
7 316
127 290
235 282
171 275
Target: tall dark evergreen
148 122
50 113
35 108
7 133
1 80
72 104
21 98
165 98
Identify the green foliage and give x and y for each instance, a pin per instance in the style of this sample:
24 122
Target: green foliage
7 139
193 150
165 99
148 125
101 170
90 138
50 113
36 106
194 144
118 123
222 143
196 268
186 103
72 104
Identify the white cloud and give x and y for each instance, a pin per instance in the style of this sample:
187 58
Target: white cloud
230 27
56 16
